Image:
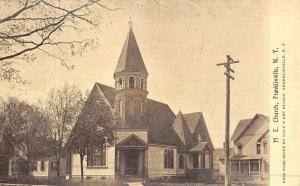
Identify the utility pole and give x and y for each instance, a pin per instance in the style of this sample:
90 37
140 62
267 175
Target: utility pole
227 117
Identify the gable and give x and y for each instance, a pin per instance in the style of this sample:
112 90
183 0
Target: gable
108 93
242 125
182 130
201 129
132 141
257 127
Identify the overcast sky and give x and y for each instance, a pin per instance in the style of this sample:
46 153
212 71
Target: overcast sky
181 42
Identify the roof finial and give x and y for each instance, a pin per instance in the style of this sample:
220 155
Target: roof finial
130 23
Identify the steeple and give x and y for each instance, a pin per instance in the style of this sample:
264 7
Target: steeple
130 59
130 82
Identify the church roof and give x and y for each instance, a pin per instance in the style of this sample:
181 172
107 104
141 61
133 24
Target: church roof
130 59
163 126
109 93
182 130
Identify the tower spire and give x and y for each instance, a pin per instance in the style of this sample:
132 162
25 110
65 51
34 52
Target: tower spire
130 23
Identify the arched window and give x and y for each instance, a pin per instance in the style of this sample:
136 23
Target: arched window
142 83
120 82
181 162
131 82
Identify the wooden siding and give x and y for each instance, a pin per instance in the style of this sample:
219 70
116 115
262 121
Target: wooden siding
251 135
156 162
106 171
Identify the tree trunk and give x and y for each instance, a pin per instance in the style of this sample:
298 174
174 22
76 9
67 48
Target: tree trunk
58 167
81 166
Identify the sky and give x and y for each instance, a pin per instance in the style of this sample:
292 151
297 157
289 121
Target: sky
181 42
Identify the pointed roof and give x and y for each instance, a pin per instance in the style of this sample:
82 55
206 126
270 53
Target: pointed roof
182 130
130 59
197 125
244 124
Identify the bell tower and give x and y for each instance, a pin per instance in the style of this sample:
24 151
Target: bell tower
130 82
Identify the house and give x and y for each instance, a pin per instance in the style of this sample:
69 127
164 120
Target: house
150 140
251 148
219 161
42 167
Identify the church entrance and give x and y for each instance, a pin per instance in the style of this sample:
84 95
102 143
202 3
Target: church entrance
131 158
131 162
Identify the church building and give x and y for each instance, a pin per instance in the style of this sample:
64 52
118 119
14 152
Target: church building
150 140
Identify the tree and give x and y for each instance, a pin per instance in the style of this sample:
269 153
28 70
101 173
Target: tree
25 131
93 128
30 26
63 108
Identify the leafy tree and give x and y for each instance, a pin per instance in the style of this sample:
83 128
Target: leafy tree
31 26
93 127
63 108
25 131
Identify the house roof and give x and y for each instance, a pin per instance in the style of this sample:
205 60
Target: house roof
219 153
245 157
244 124
130 59
199 147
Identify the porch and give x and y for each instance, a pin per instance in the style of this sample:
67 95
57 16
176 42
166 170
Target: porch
132 159
243 166
249 167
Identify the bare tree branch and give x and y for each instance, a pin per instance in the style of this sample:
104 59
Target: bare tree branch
19 11
31 48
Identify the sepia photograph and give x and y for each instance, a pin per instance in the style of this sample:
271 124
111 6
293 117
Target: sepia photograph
146 92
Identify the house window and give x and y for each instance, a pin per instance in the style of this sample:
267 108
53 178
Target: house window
265 148
34 166
254 166
181 162
42 165
142 83
202 160
96 156
258 148
120 82
195 161
131 82
169 159
240 149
